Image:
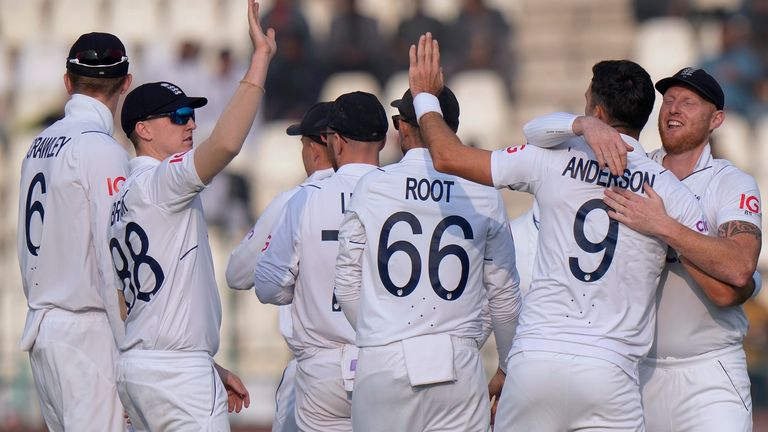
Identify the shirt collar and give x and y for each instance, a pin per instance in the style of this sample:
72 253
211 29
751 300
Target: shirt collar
141 163
91 110
355 169
705 158
417 154
320 174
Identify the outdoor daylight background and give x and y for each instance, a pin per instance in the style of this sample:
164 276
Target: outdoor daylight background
506 60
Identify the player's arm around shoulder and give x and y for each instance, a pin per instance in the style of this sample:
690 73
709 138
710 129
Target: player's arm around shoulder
230 131
276 272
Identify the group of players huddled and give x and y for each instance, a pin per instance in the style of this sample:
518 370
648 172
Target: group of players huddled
615 301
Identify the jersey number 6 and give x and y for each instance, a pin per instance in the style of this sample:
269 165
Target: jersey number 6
436 254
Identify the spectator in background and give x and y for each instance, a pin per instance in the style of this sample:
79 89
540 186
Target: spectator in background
647 9
410 29
355 44
479 38
295 75
737 68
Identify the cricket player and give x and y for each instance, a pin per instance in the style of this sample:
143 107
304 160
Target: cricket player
419 252
589 313
695 376
167 378
69 177
242 260
298 265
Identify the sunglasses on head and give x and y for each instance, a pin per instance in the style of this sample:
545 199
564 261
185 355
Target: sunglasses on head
109 57
179 117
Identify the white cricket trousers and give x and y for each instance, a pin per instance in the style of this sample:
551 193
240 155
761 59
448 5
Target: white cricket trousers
385 401
172 391
285 401
74 362
322 402
552 392
706 393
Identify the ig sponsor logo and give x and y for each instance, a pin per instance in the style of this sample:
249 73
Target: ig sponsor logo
750 204
113 184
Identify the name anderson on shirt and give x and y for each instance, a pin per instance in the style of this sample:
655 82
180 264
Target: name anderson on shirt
588 171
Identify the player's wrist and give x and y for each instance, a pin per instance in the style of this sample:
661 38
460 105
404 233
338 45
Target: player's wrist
424 103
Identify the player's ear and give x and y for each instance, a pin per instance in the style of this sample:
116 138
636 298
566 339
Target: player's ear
126 84
68 84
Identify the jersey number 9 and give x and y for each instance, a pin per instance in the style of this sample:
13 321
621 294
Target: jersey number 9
607 244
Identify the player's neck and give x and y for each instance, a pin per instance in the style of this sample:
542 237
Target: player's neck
682 164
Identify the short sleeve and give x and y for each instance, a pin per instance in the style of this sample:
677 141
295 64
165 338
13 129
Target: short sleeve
737 198
175 182
516 167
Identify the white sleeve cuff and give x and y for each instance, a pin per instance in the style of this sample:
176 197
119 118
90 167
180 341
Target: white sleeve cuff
424 103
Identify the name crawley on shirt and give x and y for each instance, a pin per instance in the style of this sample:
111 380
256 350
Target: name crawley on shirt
45 147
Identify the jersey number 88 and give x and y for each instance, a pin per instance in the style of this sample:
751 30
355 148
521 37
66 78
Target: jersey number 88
128 272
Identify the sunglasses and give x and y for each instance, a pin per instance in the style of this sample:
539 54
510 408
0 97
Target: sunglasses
179 117
109 57
396 121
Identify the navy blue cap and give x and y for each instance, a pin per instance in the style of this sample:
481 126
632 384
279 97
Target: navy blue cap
309 123
449 105
154 98
699 81
98 55
358 116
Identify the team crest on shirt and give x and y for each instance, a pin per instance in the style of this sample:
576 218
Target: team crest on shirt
750 204
513 150
178 157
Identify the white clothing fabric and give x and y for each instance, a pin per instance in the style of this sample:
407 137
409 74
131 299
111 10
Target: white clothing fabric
74 365
159 244
284 419
172 391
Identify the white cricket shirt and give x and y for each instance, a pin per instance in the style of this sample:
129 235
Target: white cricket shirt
525 232
242 260
688 323
298 265
594 281
160 250
422 250
68 178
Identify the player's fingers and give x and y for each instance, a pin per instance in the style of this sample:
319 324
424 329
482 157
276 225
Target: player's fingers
247 400
420 50
436 56
428 49
649 190
616 216
412 56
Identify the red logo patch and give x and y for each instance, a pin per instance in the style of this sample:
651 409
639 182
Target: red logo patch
266 244
512 150
749 203
178 157
113 185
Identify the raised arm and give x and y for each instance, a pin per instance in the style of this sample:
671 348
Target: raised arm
228 136
449 155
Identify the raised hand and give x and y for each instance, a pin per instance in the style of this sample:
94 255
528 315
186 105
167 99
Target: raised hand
605 141
425 73
262 43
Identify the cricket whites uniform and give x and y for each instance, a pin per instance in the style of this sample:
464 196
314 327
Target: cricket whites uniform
695 377
298 268
159 244
68 177
242 263
419 253
588 316
525 232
